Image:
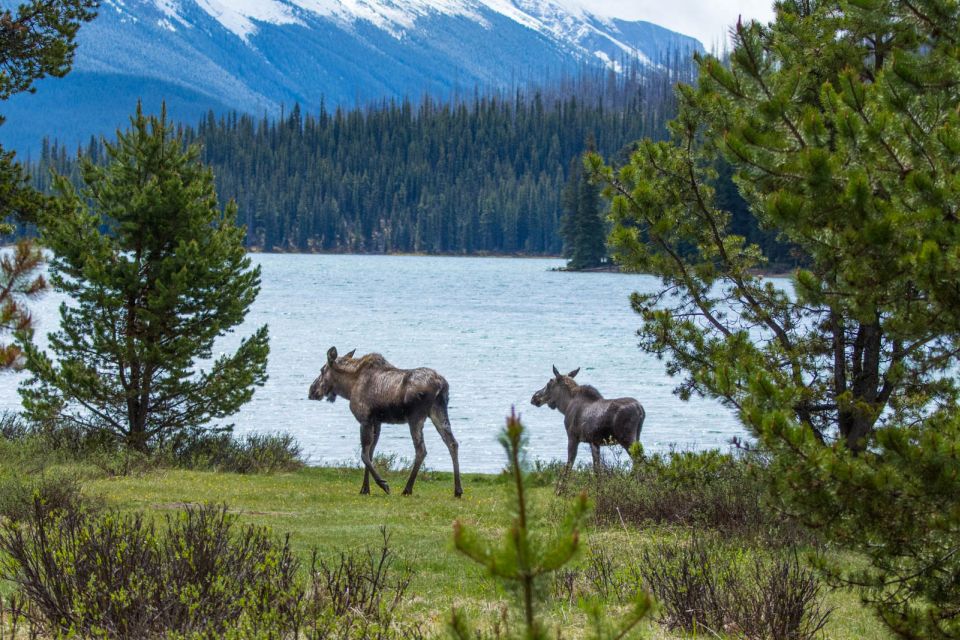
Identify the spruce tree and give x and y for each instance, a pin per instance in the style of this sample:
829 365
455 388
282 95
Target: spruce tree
156 271
590 248
582 226
570 201
840 121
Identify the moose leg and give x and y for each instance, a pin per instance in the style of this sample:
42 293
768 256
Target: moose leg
440 420
416 432
366 449
597 461
572 446
365 489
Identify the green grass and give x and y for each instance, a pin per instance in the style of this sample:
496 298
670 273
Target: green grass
321 507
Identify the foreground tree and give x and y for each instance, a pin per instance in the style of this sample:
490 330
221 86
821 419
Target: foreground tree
35 41
524 560
156 272
841 122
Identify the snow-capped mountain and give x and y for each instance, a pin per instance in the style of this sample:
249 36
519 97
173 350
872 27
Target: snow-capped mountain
257 55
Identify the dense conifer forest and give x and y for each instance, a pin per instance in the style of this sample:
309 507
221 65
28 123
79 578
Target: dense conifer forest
473 175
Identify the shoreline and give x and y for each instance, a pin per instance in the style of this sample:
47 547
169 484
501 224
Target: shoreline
613 268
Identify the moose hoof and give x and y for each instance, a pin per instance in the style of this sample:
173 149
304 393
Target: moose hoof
364 491
408 491
458 494
386 488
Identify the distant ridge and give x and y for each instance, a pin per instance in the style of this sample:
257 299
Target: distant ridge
257 55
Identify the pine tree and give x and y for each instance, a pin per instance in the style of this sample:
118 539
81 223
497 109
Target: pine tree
19 282
36 42
157 272
525 559
840 121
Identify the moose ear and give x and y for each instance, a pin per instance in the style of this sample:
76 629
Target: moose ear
556 373
350 355
573 374
332 354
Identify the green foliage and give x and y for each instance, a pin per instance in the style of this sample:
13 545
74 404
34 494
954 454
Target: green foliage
707 490
252 453
21 493
705 585
839 121
79 572
116 576
524 559
19 282
157 272
483 173
36 40
583 226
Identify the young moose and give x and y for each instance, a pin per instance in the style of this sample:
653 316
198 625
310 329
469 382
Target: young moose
589 417
379 392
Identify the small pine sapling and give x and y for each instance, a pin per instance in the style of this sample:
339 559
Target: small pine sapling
523 559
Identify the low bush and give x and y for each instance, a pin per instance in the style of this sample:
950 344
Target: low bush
38 444
22 494
82 573
691 582
116 576
705 585
603 576
357 596
222 451
719 491
14 622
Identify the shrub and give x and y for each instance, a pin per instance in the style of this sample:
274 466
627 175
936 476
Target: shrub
39 442
707 585
80 573
14 623
222 451
357 595
115 576
710 489
603 577
13 426
779 599
21 495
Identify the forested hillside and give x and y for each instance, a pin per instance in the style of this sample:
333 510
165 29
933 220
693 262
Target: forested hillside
483 174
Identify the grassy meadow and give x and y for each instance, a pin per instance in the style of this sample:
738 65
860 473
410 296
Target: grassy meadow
321 508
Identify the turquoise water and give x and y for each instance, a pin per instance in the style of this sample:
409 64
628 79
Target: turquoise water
492 326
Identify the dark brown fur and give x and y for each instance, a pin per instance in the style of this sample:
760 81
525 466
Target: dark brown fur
380 393
590 418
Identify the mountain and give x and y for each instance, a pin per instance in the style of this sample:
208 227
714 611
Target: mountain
259 56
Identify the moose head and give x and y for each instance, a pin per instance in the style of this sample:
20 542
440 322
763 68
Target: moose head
325 386
551 392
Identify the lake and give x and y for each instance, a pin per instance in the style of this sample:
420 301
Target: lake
492 326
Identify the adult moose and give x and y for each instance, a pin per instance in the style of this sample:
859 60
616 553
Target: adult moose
379 392
589 417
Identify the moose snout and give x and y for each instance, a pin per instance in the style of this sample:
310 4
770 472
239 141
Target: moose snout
314 392
537 400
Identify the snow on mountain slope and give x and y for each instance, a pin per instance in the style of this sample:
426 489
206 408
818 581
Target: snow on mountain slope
257 55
